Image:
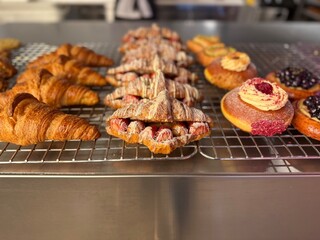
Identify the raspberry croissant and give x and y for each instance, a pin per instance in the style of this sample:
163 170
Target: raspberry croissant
24 120
162 124
150 87
54 91
121 75
82 54
66 67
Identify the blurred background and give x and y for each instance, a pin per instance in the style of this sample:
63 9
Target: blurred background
119 10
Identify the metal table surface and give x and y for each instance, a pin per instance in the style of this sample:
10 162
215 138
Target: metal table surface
196 198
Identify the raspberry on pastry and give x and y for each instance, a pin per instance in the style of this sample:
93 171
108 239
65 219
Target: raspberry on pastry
230 71
298 82
258 107
307 116
162 124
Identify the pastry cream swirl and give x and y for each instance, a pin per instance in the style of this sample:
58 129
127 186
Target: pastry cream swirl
274 100
236 61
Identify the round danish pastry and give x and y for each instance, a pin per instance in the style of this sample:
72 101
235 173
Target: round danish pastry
298 82
231 70
213 52
199 42
307 116
258 107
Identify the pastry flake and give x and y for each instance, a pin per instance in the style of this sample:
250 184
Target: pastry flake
162 124
150 87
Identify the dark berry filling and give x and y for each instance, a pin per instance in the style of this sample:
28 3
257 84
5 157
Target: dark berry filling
297 77
264 87
313 105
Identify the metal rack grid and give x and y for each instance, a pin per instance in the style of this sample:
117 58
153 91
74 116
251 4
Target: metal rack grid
226 142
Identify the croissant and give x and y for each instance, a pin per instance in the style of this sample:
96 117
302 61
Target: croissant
165 51
24 120
54 91
81 54
162 123
150 87
118 76
145 41
66 67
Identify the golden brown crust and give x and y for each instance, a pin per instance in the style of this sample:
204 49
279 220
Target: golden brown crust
164 147
54 91
193 46
24 120
128 137
62 66
243 115
9 44
294 93
199 42
82 54
227 79
305 124
7 70
150 87
161 111
211 53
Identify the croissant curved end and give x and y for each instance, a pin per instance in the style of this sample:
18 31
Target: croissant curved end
16 100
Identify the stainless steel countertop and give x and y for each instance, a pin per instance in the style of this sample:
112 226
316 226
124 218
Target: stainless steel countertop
192 199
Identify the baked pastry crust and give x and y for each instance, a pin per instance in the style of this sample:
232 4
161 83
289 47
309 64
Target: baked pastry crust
54 91
162 111
199 42
294 93
166 52
63 66
150 32
245 116
24 121
150 87
82 54
211 53
303 123
227 79
140 67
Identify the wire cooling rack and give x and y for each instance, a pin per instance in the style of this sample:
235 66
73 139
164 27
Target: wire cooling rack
225 142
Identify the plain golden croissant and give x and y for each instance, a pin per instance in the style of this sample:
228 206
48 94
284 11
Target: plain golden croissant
54 91
24 120
82 54
66 67
150 87
162 123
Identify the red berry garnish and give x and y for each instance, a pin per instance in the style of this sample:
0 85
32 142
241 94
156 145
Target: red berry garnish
264 87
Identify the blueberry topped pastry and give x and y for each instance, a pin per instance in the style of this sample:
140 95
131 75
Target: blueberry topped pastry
307 116
299 82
